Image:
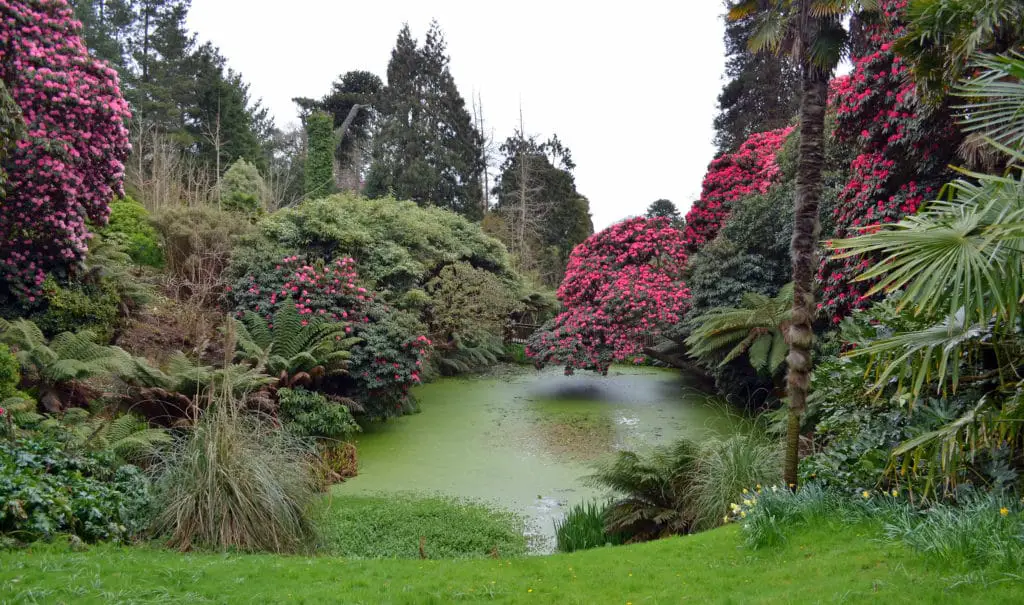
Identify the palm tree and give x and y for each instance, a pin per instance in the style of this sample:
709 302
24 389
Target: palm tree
943 35
812 30
960 264
757 328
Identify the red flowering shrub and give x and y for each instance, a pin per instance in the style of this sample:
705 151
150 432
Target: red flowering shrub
69 163
904 150
621 284
731 176
389 359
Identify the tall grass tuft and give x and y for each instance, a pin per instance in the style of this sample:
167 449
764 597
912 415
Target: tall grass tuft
725 468
235 481
583 528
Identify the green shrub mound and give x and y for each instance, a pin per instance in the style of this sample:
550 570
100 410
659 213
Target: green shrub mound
48 489
129 226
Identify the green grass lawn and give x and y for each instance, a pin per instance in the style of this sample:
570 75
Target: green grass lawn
825 565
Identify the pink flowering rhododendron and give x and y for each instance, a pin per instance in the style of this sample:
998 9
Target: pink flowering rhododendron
389 359
621 284
732 176
69 165
904 148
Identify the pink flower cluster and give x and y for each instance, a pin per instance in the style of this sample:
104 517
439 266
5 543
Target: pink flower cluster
731 176
621 284
71 162
904 150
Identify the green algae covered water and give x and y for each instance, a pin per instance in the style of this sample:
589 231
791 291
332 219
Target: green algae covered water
524 439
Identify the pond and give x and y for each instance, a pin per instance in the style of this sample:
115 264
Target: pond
524 439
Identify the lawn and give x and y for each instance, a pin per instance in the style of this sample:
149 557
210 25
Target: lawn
827 565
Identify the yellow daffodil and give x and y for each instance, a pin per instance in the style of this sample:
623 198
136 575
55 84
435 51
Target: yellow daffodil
743 514
746 502
725 519
753 501
745 491
758 486
1004 511
895 493
734 507
866 494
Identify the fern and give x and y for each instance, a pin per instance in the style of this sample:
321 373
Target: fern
289 347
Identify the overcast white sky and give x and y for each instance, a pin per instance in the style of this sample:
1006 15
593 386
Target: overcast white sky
629 87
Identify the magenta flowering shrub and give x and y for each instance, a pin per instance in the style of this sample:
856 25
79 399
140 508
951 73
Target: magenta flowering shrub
389 359
904 148
731 176
621 284
69 163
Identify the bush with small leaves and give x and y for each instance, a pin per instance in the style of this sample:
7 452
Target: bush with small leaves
130 228
242 188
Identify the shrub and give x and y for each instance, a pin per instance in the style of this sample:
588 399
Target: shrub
392 527
621 284
583 528
47 489
69 163
310 414
242 188
653 499
390 356
130 228
77 306
728 466
234 481
197 247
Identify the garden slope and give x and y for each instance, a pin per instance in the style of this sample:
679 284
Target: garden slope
828 564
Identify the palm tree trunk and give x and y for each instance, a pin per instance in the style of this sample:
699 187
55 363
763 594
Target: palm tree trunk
803 249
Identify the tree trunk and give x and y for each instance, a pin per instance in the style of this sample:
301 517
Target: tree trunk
803 250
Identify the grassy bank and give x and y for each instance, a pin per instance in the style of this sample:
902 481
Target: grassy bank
827 564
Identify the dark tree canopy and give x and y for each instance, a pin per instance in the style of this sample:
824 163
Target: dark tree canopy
665 209
762 92
426 147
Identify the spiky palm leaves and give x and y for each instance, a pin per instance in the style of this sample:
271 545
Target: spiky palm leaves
297 350
57 369
757 328
960 265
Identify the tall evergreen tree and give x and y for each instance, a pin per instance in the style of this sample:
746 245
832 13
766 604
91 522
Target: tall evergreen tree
665 209
762 92
104 25
426 147
544 216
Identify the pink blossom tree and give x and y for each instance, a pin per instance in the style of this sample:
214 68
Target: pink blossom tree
69 163
621 284
751 169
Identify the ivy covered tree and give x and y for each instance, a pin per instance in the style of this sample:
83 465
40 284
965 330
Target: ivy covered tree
69 164
352 103
622 284
319 155
426 147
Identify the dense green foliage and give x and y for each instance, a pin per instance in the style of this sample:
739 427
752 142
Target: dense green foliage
685 487
47 489
396 526
129 226
310 414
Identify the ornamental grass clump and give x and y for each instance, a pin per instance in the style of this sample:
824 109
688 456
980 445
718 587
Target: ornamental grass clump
235 482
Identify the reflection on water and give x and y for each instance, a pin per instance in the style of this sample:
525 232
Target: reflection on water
524 440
